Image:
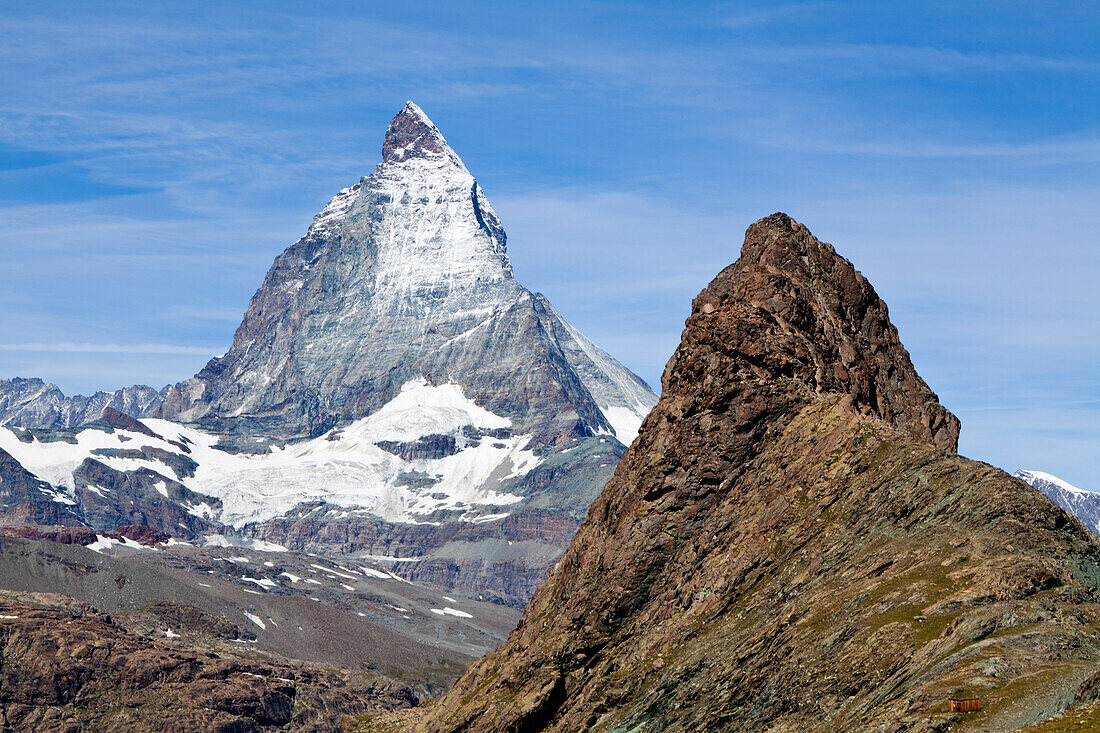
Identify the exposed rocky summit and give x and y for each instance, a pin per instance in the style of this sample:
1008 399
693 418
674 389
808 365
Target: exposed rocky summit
792 544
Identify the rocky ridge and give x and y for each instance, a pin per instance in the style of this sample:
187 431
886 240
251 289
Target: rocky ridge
32 403
792 544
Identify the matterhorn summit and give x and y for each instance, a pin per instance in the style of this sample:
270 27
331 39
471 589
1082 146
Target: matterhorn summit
402 276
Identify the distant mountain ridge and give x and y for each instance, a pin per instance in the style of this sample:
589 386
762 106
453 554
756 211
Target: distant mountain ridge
1085 505
33 403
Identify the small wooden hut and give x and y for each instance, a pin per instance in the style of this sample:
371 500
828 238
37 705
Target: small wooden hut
964 704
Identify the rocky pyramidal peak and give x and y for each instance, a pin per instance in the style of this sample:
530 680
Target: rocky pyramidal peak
405 276
412 135
792 544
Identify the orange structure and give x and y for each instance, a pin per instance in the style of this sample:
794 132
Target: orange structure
964 704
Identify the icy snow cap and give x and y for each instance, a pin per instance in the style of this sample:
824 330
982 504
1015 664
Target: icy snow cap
412 135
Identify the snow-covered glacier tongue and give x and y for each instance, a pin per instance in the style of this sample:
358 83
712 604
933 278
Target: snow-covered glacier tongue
391 391
419 455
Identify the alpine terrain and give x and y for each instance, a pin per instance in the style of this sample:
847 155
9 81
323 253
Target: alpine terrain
335 517
793 544
392 392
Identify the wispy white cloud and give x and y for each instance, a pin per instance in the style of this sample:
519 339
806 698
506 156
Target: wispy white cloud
766 16
1031 407
889 59
1083 147
69 347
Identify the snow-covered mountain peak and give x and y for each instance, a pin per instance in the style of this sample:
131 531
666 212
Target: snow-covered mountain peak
412 137
1036 477
1083 504
402 276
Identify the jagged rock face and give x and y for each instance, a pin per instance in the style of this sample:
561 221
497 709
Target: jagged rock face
32 403
91 493
504 560
405 275
804 320
1085 505
792 545
108 498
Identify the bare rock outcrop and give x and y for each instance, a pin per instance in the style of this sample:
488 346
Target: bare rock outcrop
68 667
792 544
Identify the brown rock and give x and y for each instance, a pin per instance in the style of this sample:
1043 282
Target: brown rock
67 668
785 514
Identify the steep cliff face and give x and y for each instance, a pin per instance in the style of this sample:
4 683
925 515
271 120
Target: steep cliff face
403 276
27 499
791 544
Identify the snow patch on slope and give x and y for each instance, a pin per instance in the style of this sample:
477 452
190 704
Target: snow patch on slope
421 409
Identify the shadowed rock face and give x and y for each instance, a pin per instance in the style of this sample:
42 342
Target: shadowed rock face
26 499
791 544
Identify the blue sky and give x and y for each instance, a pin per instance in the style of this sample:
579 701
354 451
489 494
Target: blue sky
155 157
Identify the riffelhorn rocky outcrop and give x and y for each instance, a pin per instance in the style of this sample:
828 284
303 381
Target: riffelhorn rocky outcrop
793 544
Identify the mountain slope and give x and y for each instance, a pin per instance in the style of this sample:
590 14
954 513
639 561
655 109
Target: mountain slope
1085 505
68 667
405 276
791 543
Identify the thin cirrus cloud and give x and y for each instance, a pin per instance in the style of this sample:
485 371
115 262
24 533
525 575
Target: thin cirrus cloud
98 348
185 312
